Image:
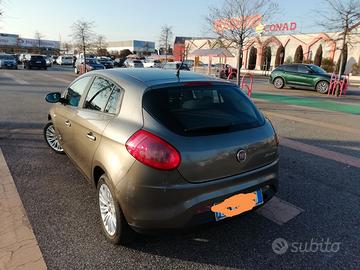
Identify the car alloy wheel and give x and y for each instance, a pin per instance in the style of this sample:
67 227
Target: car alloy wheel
52 138
279 83
322 87
107 209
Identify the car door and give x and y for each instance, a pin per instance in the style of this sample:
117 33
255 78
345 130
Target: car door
91 119
291 74
64 114
306 76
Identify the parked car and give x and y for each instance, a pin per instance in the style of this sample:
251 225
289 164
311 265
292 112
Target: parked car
162 150
133 63
302 76
35 61
175 66
150 63
48 60
91 64
64 60
54 57
106 61
8 61
226 71
119 62
190 63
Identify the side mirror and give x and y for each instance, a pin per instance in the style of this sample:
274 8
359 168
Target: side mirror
53 97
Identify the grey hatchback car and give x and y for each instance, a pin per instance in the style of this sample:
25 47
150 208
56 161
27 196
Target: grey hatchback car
163 150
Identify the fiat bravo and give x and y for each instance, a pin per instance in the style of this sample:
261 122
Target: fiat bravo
162 149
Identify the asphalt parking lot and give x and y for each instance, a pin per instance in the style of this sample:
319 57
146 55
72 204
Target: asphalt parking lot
319 174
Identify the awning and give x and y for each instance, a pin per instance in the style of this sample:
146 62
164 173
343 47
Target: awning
219 52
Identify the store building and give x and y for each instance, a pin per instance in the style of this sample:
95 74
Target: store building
12 43
271 49
135 46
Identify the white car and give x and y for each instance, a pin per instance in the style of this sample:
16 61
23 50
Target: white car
150 63
133 63
65 60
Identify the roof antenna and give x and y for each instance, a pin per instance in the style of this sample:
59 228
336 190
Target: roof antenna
180 67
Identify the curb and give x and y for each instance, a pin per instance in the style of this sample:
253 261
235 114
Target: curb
19 248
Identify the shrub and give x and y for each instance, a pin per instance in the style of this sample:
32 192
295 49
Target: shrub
299 55
356 68
308 61
288 60
328 65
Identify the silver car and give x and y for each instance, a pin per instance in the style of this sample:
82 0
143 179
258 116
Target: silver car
165 151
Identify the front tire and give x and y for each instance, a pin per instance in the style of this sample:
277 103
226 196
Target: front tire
322 87
51 138
113 222
279 83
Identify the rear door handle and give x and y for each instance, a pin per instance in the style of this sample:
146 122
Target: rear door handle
91 136
67 123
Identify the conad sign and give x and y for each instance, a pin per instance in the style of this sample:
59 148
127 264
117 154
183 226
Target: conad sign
276 27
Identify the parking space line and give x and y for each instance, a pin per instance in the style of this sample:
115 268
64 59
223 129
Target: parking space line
15 78
279 211
18 246
315 123
56 78
321 152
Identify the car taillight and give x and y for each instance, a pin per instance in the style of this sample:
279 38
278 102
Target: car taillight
153 151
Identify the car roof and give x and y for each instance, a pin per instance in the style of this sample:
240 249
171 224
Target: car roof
153 76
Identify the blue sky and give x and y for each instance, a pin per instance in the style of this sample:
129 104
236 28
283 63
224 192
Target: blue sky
140 19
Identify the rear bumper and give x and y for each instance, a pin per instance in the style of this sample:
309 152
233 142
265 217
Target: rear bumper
149 208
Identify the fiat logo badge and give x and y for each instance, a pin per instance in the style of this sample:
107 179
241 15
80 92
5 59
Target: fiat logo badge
241 155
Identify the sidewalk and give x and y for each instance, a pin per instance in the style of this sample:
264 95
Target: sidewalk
354 80
18 246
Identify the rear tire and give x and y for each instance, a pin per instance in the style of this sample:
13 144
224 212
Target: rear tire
279 83
113 223
322 87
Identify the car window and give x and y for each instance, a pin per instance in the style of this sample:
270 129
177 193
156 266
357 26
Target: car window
98 94
75 91
302 69
113 104
317 69
202 110
291 68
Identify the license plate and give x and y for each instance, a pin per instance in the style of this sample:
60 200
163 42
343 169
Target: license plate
258 201
38 62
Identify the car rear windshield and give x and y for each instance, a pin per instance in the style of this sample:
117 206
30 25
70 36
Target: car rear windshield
202 110
37 58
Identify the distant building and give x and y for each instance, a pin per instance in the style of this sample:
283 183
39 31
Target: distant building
271 49
12 43
135 46
180 51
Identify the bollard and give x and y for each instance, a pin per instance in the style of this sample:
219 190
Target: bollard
248 86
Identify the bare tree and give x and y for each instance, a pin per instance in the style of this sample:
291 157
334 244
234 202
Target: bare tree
82 33
341 16
100 44
38 36
66 47
166 35
235 22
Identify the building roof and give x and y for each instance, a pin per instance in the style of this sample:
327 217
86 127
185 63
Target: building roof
218 52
